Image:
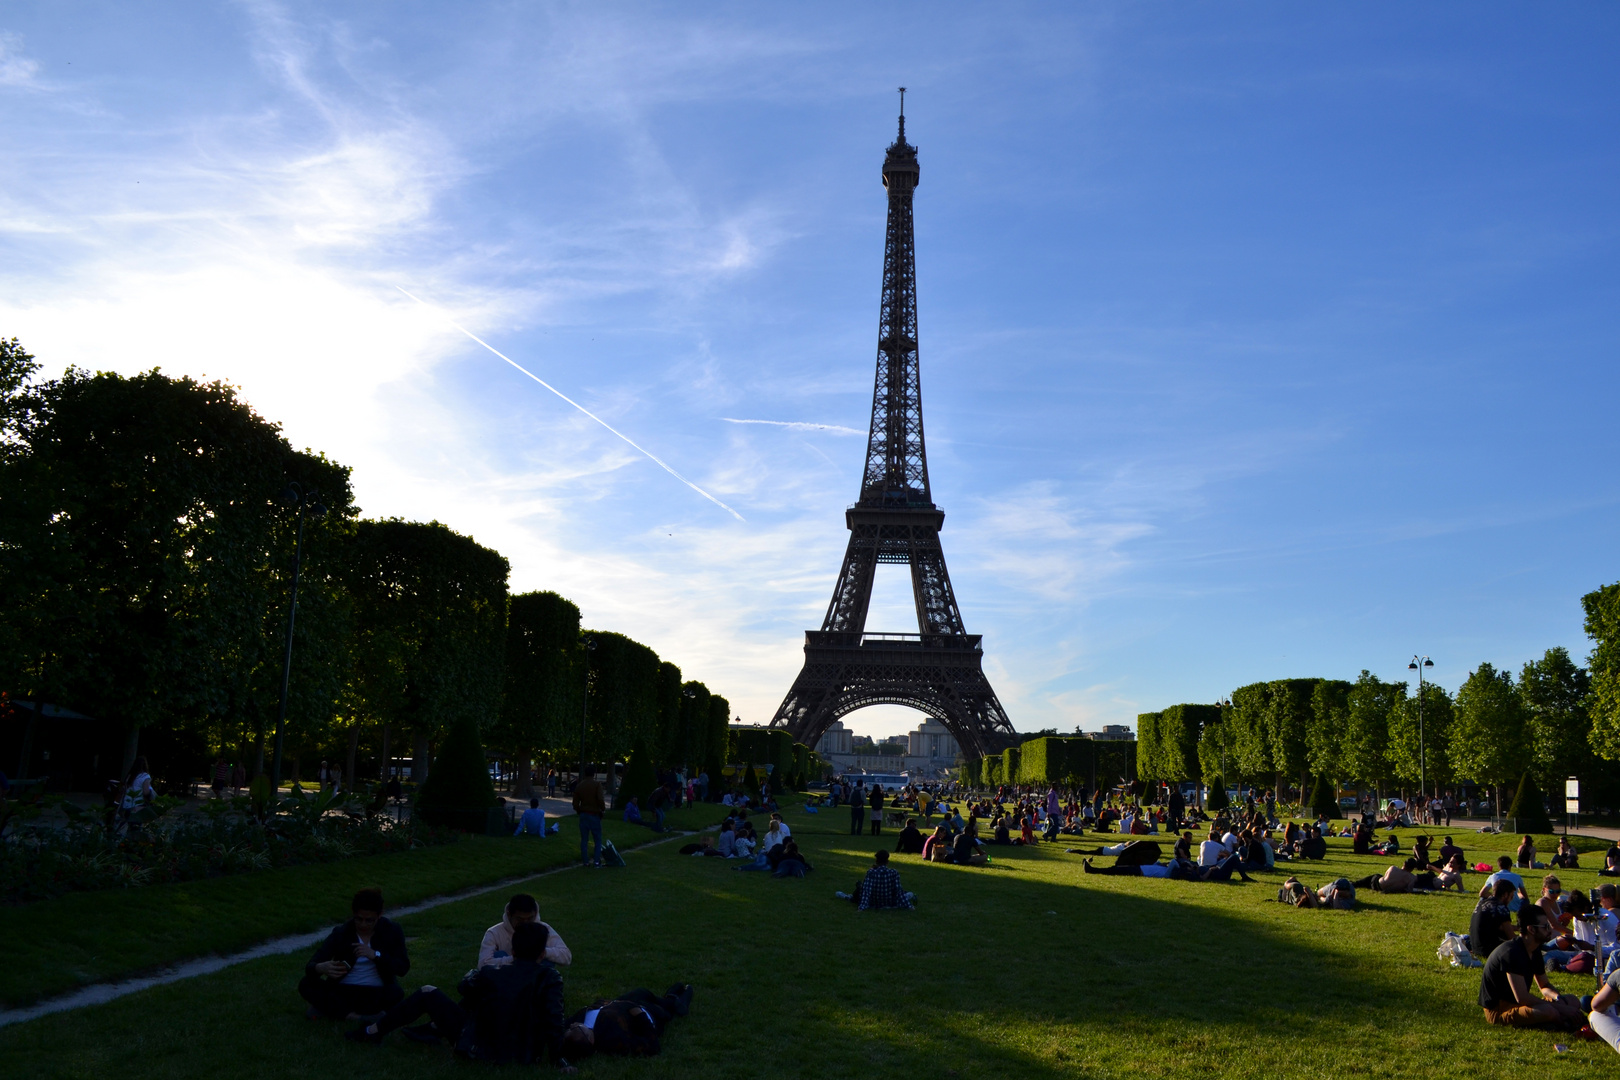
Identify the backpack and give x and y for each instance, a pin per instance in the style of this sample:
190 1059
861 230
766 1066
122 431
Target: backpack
610 854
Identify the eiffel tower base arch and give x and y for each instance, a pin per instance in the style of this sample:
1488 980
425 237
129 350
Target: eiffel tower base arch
940 675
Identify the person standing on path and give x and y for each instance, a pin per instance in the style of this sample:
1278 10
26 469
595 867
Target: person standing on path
857 812
877 809
589 805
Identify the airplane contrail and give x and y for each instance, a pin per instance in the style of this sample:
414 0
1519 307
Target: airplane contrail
798 425
641 449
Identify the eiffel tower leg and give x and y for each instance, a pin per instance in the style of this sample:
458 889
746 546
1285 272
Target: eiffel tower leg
931 587
853 593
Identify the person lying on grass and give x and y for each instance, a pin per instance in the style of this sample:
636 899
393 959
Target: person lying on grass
1137 852
355 971
1409 877
705 847
630 1025
508 1013
1177 870
496 949
1339 893
880 888
1504 986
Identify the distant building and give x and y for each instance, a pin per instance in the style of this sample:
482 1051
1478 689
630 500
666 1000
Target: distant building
925 753
835 740
1112 733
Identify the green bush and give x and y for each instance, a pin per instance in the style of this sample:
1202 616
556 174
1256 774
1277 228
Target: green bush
750 779
457 792
1528 811
1325 798
1217 799
639 778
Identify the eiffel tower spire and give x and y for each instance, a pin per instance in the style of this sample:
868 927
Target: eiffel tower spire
939 669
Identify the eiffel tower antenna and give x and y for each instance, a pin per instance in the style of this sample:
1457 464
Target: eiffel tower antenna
938 670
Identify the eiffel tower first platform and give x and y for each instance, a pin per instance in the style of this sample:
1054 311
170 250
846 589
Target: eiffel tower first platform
939 670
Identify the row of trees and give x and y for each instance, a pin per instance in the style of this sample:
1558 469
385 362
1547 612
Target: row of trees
1555 720
1073 762
146 562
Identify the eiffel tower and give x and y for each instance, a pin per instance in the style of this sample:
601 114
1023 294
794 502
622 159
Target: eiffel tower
939 670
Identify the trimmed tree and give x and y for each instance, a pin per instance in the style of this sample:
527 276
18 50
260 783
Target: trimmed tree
1217 795
457 792
1325 798
1529 811
640 777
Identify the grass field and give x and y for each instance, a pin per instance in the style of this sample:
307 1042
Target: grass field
1025 968
57 945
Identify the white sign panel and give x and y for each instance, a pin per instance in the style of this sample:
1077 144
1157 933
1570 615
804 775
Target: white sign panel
1572 806
1572 788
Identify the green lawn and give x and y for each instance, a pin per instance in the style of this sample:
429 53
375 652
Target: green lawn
57 945
1025 968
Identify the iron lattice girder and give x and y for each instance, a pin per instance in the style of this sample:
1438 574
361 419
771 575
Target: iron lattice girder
937 674
938 671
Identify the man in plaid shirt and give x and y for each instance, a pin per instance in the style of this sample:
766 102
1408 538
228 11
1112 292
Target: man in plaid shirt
880 888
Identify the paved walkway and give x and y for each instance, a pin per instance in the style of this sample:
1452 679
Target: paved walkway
100 993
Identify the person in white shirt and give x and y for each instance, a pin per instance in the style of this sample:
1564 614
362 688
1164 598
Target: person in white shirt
745 848
778 833
1230 842
496 950
1212 851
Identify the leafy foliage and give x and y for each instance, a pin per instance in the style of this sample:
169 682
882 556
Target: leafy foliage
458 790
1555 693
1489 739
544 694
1529 811
1405 762
1602 607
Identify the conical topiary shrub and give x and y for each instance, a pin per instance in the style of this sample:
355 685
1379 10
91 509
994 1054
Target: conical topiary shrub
458 792
1325 798
639 779
1529 812
750 779
1217 799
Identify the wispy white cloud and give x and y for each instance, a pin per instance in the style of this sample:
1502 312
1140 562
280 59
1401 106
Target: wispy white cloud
797 425
16 69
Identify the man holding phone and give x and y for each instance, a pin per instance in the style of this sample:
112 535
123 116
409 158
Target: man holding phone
355 972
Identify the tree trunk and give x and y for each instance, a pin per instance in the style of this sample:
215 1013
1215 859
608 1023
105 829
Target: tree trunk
354 749
28 740
419 765
525 785
385 771
132 746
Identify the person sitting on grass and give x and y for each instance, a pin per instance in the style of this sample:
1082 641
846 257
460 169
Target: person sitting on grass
936 846
791 863
999 832
630 1025
1594 929
967 851
1527 855
632 813
1420 851
1448 850
508 1013
1212 851
1604 1021
533 821
1492 921
1505 873
1611 861
911 842
1504 986
778 833
355 971
1551 890
1184 846
1566 858
726 842
496 949
880 888
1339 893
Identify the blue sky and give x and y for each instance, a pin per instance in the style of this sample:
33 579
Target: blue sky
1258 340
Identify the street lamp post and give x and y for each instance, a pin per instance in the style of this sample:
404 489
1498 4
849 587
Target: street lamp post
1418 664
585 715
308 501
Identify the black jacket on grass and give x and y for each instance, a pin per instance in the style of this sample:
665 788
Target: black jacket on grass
387 939
515 1013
